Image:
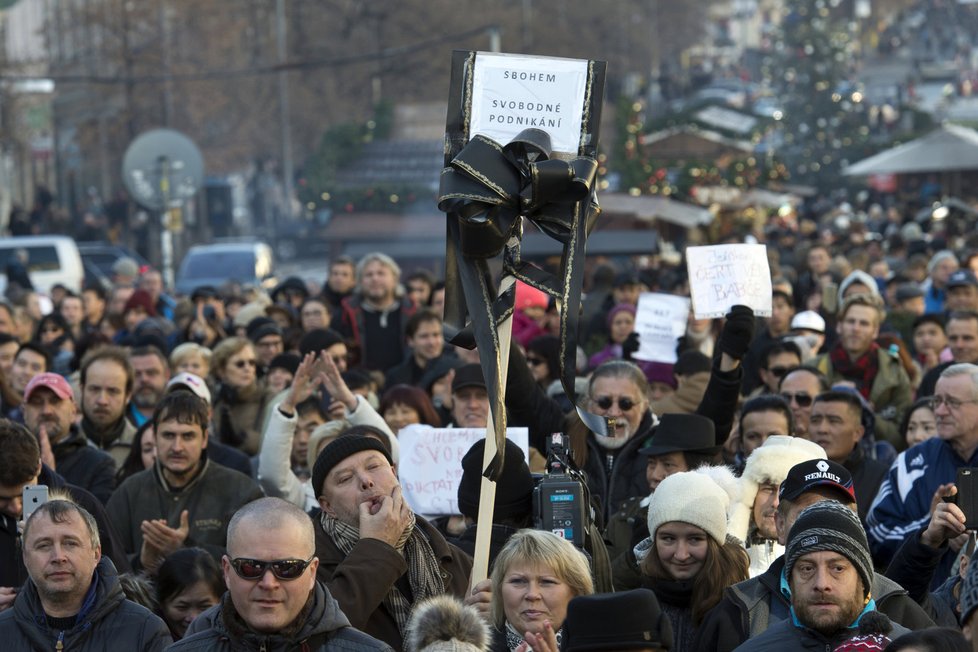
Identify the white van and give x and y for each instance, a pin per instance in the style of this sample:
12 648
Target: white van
52 259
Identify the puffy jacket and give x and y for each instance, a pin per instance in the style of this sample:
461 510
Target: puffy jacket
107 621
361 580
325 629
83 465
788 636
902 505
211 498
749 608
891 394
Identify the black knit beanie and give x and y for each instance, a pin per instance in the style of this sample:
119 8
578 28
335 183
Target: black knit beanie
338 450
514 489
830 525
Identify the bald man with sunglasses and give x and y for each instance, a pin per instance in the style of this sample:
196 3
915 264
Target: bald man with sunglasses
272 590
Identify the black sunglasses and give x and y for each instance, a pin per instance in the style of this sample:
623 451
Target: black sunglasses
535 361
283 569
803 400
624 403
241 364
778 372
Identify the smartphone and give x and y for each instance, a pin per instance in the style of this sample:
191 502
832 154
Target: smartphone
967 497
34 496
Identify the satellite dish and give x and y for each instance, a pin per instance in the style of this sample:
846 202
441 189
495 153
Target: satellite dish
162 168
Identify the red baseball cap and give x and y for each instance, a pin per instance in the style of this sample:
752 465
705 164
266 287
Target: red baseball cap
55 382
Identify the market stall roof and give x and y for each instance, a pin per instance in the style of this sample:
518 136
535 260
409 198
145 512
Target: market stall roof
946 149
650 208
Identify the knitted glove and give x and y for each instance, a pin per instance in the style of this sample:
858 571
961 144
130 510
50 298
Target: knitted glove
738 332
629 346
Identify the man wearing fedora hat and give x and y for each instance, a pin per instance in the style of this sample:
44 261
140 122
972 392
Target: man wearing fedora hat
750 607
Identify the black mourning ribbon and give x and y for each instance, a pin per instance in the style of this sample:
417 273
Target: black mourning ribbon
487 190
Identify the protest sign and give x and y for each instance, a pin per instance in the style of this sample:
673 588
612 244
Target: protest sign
512 92
431 464
660 320
721 276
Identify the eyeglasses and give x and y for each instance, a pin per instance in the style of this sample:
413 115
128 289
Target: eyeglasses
803 400
283 569
778 371
624 403
535 361
951 403
241 364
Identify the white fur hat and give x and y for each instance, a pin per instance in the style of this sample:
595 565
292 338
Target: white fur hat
768 463
694 498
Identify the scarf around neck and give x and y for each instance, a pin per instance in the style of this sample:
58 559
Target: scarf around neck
424 571
861 371
514 638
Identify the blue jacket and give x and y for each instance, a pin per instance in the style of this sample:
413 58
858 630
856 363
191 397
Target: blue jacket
902 505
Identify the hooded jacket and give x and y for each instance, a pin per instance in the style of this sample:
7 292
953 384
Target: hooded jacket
106 621
326 628
750 607
788 636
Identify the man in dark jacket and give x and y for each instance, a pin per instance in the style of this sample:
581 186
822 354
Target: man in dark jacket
752 606
183 500
73 600
835 424
49 413
376 557
273 600
829 572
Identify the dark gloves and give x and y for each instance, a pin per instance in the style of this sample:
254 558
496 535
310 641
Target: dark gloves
629 346
738 332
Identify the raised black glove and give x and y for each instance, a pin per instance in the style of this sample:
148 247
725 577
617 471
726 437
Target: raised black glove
629 346
738 332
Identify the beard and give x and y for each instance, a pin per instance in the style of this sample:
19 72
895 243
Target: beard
828 623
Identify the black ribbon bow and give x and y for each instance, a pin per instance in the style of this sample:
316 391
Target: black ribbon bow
487 190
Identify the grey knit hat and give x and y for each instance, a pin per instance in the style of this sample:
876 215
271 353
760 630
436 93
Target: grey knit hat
830 525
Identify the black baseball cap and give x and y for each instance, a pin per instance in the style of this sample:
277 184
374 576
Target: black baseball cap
809 474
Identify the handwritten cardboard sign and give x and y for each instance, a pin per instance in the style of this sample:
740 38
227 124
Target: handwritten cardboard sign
431 464
660 320
721 276
511 93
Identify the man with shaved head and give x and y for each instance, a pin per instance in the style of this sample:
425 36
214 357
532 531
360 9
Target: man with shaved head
272 589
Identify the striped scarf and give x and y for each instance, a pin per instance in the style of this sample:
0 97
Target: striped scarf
424 571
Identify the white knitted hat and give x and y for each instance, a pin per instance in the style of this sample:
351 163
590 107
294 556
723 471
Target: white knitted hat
693 498
769 462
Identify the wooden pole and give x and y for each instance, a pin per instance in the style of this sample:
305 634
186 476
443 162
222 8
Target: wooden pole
487 493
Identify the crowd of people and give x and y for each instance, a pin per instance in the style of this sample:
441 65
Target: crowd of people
222 468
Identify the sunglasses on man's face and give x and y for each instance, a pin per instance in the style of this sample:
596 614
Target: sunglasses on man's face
284 569
535 361
241 364
624 403
778 372
803 400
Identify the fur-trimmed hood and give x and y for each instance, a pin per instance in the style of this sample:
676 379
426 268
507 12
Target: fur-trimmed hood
443 624
769 463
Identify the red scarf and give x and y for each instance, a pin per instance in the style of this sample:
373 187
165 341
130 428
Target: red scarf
862 372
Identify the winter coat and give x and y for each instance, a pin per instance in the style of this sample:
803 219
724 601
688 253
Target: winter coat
867 476
913 567
686 398
238 416
107 621
891 394
83 465
353 326
530 406
326 629
788 636
118 448
212 497
361 580
902 505
750 607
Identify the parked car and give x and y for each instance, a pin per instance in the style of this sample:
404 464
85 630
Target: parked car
99 257
52 260
249 263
